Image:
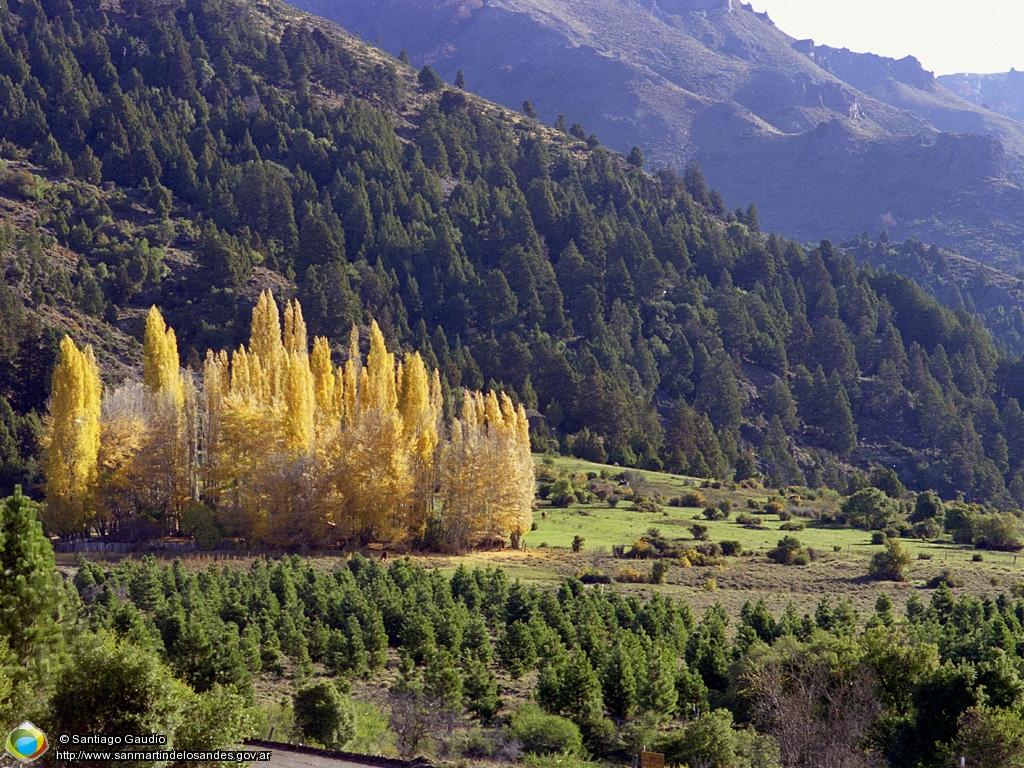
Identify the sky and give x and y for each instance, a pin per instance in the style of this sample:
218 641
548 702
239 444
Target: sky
947 36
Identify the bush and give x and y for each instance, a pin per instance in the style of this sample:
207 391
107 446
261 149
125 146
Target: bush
1000 532
642 549
712 740
659 570
590 576
561 493
199 522
785 515
631 575
927 529
890 564
879 537
947 578
693 499
789 551
323 716
978 558
732 548
544 734
700 532
711 549
714 513
774 507
792 526
577 543
647 504
748 521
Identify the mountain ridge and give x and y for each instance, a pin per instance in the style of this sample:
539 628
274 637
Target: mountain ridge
770 119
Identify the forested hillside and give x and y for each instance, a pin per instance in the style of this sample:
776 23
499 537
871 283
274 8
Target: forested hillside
190 154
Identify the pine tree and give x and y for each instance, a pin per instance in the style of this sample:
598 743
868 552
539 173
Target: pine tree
658 694
481 692
30 596
619 682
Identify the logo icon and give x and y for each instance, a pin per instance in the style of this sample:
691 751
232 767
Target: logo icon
27 743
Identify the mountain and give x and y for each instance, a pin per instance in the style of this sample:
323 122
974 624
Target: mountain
1002 92
193 153
826 142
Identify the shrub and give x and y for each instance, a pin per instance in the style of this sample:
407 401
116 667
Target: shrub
711 549
693 498
792 526
978 558
785 515
732 548
561 493
890 564
774 507
544 734
322 715
647 504
590 576
878 537
577 543
927 529
700 532
199 522
837 547
659 570
748 521
712 740
946 577
641 549
714 513
789 551
631 575
1000 532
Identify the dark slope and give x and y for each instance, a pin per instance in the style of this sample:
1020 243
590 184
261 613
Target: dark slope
826 142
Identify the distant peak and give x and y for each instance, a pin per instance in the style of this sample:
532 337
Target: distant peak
696 6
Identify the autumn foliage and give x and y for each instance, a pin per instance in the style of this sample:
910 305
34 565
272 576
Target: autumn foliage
275 443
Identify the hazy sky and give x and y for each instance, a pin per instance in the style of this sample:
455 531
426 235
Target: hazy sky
946 35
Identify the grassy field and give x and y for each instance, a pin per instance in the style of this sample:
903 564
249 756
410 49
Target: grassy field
839 572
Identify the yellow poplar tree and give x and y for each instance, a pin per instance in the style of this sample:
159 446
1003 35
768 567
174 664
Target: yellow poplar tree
165 454
420 422
369 463
73 439
160 367
490 440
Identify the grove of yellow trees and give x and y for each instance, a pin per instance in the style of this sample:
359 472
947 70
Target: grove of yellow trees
274 443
